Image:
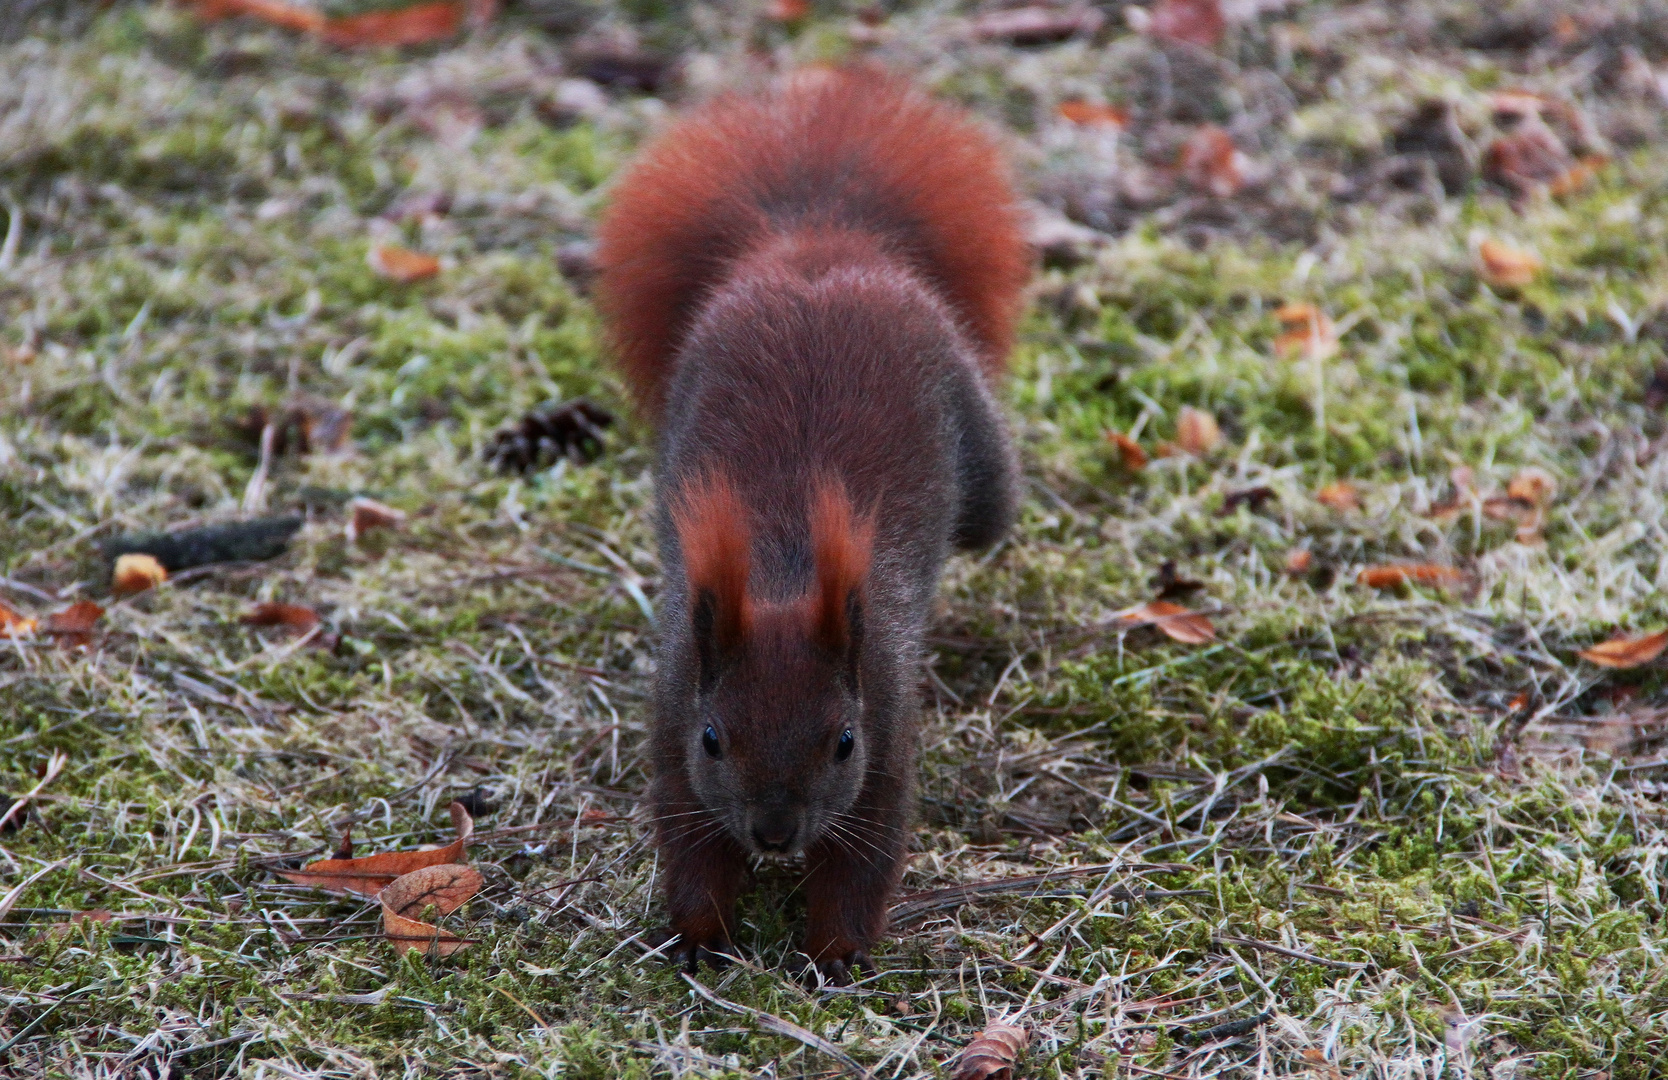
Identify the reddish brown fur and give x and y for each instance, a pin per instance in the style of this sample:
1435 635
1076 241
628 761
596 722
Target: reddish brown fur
841 545
715 536
740 169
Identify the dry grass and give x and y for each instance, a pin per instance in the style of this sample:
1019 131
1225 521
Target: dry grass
1361 834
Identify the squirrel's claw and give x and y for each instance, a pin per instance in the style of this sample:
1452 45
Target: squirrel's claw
688 954
839 970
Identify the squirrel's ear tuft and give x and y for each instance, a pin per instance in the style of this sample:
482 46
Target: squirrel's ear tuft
842 544
715 537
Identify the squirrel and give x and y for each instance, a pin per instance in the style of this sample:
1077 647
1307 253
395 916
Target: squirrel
810 292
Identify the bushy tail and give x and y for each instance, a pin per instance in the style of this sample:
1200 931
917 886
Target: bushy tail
851 148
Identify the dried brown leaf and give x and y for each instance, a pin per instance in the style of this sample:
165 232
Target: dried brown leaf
1308 332
991 1056
1129 451
73 626
1197 432
402 264
1390 577
1528 158
134 573
1533 486
1505 267
59 929
1340 495
1191 22
294 617
444 888
1212 163
1298 561
1626 652
1175 621
368 514
368 875
14 624
1090 114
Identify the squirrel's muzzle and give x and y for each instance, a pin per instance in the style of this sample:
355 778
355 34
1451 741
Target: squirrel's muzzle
776 827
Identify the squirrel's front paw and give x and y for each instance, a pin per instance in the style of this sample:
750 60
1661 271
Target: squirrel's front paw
690 952
839 970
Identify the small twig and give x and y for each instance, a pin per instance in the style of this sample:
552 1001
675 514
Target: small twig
782 1027
54 766
1265 946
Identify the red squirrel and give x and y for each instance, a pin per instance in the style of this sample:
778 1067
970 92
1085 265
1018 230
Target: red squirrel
810 292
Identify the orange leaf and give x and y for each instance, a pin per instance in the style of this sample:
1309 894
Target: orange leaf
1533 486
135 573
276 12
991 1056
1192 22
415 25
13 624
402 264
445 887
368 514
1527 158
1196 431
1134 458
1308 332
1089 114
1390 577
290 616
1626 652
1188 627
1579 176
1298 561
73 626
1339 495
1212 163
368 875
1507 267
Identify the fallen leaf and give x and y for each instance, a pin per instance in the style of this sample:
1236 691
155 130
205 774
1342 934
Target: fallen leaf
369 874
1450 505
1089 114
1298 561
136 572
1626 652
1175 621
59 929
1390 577
295 618
368 515
1526 159
402 264
1308 332
418 24
1191 22
12 624
1212 163
1579 177
1506 267
275 12
1340 495
445 888
787 11
1196 431
1129 451
991 1056
1322 1067
1037 25
73 626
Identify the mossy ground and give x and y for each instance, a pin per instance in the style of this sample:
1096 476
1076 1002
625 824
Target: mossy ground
1452 827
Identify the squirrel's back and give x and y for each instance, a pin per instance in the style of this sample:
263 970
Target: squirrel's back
851 149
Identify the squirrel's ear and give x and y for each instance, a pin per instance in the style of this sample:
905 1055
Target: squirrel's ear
716 540
842 544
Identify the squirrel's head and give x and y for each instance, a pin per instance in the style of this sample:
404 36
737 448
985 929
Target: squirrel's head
776 743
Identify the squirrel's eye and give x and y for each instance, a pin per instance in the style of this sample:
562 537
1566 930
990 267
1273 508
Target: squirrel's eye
709 742
847 742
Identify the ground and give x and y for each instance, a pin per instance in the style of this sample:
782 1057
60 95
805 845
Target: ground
1359 832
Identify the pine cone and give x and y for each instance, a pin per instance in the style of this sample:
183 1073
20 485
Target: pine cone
573 430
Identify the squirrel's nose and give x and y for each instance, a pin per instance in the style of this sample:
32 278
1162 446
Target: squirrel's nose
775 836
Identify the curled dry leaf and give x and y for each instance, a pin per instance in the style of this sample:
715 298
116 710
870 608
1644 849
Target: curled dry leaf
1533 486
1189 22
1307 333
13 624
1390 577
136 572
1090 115
991 1056
1506 267
1526 159
1340 495
1129 451
73 626
1175 621
402 264
1196 431
1212 163
368 875
290 616
368 514
1626 652
1579 177
1298 561
444 888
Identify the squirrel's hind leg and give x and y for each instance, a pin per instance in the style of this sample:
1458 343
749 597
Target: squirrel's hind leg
987 470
